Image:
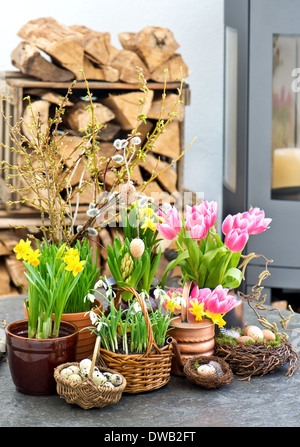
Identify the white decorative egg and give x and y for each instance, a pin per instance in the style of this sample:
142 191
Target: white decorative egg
109 384
75 369
84 372
107 375
206 370
137 247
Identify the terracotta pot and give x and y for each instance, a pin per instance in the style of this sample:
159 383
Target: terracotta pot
190 339
32 361
86 339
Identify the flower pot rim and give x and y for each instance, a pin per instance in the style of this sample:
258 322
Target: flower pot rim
187 325
43 340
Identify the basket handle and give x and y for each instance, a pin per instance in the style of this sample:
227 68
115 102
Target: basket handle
151 341
95 353
184 307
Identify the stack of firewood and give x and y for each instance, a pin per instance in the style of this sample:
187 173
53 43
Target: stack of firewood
75 48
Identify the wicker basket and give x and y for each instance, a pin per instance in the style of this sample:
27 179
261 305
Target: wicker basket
143 372
257 359
208 381
87 394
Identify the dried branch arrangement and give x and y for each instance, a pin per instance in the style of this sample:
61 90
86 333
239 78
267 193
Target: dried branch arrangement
43 180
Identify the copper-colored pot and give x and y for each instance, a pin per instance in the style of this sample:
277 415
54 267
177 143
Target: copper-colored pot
190 339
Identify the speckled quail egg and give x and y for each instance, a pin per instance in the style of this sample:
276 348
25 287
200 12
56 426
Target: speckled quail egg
206 370
109 384
99 378
116 379
75 378
84 372
75 369
66 372
107 374
85 363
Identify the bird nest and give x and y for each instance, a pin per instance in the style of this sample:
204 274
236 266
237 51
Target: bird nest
257 359
222 376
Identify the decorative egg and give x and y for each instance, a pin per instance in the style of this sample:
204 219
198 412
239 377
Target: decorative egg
268 335
206 370
75 369
66 372
85 363
99 378
128 193
137 247
84 372
109 384
254 332
244 339
116 379
75 378
107 375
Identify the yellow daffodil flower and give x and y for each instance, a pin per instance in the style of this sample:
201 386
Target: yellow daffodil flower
197 309
216 318
74 264
22 249
148 223
32 257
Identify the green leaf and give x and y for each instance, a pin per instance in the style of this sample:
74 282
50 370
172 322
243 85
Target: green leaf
183 255
232 279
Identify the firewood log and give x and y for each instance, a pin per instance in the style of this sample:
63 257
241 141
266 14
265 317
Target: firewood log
97 45
167 179
40 110
176 68
155 45
127 62
126 107
78 117
99 73
63 44
28 60
168 142
169 103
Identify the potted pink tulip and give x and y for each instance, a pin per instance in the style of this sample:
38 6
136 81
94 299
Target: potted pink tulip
208 265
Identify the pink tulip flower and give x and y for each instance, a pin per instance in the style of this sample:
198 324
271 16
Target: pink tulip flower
200 218
236 239
171 225
219 301
253 221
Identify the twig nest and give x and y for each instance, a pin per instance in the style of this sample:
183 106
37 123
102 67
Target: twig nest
254 332
137 247
208 371
128 193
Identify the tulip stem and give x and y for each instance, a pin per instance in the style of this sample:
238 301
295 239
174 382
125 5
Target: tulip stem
225 267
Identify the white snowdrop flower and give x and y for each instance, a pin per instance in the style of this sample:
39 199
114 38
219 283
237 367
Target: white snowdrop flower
118 158
93 317
92 231
89 297
99 284
158 293
136 140
100 324
92 212
110 293
136 307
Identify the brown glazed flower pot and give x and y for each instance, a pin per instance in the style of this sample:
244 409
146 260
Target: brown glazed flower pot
190 339
32 361
86 339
